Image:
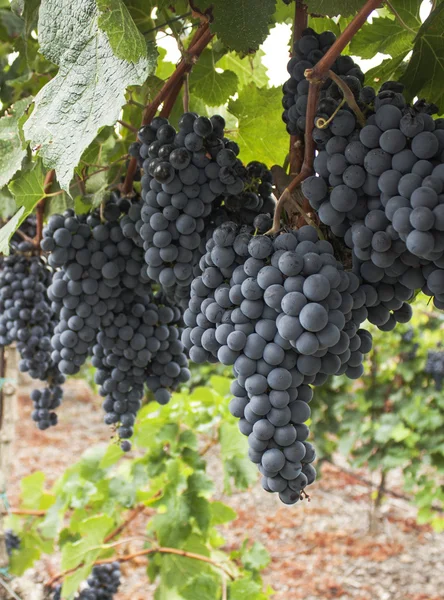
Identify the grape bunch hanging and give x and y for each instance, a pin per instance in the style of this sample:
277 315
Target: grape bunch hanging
186 270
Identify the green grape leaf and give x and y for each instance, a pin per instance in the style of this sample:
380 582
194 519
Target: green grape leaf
233 453
27 189
246 589
255 558
203 586
320 24
248 69
383 35
239 24
425 71
93 532
8 230
221 513
7 203
210 86
332 8
116 21
386 70
261 134
88 90
12 151
284 13
140 11
32 490
408 11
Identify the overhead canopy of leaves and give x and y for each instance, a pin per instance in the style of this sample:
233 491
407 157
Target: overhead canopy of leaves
87 91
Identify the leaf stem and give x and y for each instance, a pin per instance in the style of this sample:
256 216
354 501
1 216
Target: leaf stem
127 126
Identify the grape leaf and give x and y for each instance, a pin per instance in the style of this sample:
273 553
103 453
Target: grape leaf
385 71
12 152
332 8
221 513
27 190
408 11
261 133
239 24
88 90
32 490
28 187
126 40
8 230
320 24
248 69
7 203
202 586
140 11
210 86
246 589
256 557
425 71
383 35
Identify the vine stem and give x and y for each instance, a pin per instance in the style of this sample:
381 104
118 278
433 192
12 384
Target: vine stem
133 515
200 41
326 62
40 212
147 552
317 75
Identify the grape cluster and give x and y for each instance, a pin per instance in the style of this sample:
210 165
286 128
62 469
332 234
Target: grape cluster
380 190
286 315
12 541
28 320
188 175
307 52
255 205
107 308
103 583
435 367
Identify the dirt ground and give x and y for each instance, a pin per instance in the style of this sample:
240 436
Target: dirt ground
322 549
